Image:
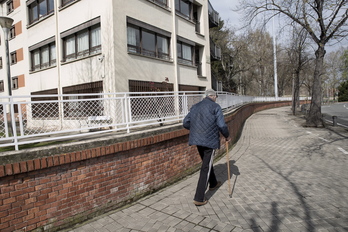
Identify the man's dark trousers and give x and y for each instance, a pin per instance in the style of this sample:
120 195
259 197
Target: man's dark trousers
207 174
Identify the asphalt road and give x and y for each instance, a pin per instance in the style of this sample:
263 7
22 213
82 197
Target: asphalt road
338 109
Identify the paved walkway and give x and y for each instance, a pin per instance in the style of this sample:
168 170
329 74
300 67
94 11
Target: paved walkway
284 178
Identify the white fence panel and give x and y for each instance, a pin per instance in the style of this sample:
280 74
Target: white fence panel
32 119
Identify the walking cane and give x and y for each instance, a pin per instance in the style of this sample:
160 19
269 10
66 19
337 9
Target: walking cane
228 171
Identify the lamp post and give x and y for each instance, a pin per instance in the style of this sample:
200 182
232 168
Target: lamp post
275 62
6 24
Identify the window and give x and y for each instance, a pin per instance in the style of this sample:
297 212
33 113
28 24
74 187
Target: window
14 82
43 56
83 108
66 2
13 56
10 7
160 2
39 8
81 43
198 61
151 108
49 109
12 32
163 2
147 40
2 86
184 8
185 53
196 17
0 62
149 86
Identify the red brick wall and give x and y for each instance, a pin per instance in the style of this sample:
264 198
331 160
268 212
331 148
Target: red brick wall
55 192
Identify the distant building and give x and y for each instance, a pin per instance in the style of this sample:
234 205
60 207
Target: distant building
88 46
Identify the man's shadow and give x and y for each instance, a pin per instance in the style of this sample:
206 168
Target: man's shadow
221 172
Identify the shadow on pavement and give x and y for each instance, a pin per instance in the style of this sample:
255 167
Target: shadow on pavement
221 173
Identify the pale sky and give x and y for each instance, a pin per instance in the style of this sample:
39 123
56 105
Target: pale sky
224 8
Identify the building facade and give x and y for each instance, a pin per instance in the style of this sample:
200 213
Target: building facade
109 46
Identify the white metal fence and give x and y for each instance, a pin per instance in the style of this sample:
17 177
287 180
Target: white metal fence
39 118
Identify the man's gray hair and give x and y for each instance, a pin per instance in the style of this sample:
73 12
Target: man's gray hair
210 92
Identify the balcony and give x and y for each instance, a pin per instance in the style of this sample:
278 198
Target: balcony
213 16
215 51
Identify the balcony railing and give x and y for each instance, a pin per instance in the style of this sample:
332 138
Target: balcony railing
215 51
213 16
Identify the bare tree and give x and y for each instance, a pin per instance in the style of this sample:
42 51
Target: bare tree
284 71
241 63
307 76
261 57
344 67
298 59
252 58
324 20
333 76
227 67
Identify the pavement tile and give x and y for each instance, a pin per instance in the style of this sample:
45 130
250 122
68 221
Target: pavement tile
113 227
285 177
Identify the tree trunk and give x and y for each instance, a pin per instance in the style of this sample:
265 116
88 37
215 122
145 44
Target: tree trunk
314 118
296 94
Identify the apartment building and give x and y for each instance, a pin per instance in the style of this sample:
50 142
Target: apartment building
88 46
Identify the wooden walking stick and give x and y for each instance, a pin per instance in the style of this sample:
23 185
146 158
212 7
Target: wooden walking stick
228 171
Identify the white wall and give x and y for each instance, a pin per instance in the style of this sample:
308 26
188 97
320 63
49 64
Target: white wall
117 67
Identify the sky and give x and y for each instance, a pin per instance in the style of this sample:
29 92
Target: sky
224 8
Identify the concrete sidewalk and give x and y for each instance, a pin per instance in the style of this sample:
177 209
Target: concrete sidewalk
284 178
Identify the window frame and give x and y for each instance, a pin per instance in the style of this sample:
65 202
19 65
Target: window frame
13 57
12 32
49 10
139 46
10 7
162 3
180 10
73 35
196 15
50 44
64 3
1 62
2 86
14 82
181 59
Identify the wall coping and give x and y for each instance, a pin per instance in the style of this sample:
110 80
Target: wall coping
15 162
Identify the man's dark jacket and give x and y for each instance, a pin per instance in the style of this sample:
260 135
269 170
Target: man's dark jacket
205 120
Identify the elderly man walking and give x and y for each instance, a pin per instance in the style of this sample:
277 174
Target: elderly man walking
205 122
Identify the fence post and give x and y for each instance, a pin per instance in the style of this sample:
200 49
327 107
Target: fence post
20 120
184 104
128 109
334 120
13 123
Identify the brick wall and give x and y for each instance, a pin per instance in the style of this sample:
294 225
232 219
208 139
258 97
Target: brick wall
51 192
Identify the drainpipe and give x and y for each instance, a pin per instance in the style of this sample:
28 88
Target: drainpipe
175 59
175 54
58 59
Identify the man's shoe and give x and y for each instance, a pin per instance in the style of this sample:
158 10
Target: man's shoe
216 186
199 203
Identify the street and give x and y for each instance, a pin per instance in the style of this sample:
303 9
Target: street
338 109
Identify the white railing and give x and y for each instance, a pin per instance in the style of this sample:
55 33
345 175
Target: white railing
35 119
